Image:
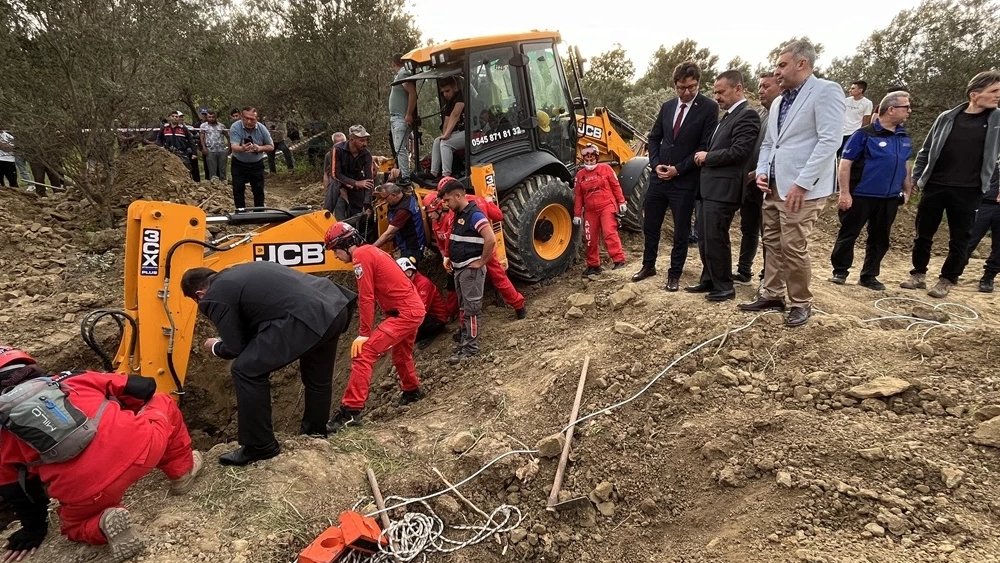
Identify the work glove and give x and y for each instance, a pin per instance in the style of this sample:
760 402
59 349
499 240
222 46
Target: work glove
27 538
577 221
622 208
357 345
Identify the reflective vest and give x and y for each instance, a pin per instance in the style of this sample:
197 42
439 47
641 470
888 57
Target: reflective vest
466 243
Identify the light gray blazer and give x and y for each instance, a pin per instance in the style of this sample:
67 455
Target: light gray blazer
805 151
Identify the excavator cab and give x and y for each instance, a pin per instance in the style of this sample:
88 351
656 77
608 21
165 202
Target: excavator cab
520 121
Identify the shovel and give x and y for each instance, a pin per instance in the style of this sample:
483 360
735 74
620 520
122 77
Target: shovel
553 504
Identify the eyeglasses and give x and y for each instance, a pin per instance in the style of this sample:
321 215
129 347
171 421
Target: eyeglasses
903 107
691 88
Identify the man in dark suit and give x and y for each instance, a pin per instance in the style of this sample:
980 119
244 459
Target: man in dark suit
723 168
753 199
268 316
683 127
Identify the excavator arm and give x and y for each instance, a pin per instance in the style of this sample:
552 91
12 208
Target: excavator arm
163 240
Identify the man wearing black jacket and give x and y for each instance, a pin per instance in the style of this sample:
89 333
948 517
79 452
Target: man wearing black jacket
268 316
721 189
683 127
988 221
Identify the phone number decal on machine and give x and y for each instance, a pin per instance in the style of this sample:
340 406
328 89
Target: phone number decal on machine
487 138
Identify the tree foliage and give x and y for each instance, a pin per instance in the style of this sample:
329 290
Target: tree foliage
931 50
661 65
74 70
608 81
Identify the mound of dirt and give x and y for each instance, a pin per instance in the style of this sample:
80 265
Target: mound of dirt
151 172
763 445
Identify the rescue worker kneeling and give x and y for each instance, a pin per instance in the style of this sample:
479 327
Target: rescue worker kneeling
403 310
107 431
437 316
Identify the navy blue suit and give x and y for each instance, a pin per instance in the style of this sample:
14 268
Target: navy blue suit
677 194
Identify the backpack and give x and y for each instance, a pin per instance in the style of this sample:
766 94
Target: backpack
40 413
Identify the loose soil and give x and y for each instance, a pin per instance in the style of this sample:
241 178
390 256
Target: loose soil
749 450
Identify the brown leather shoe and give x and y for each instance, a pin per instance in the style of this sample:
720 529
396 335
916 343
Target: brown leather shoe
797 316
762 304
643 273
673 283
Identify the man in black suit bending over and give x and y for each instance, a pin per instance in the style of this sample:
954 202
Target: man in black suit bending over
683 127
721 190
268 316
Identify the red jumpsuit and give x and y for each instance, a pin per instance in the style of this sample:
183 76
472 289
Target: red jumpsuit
128 445
598 196
495 272
431 298
403 311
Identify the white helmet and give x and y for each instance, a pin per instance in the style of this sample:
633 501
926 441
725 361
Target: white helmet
406 264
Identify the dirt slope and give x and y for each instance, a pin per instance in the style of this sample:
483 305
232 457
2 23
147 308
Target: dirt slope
750 450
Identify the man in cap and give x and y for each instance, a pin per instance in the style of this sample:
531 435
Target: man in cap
351 169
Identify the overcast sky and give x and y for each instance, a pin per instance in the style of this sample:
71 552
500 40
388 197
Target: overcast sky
726 27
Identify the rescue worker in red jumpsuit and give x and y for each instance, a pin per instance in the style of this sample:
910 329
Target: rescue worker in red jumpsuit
404 313
597 201
138 430
441 220
437 316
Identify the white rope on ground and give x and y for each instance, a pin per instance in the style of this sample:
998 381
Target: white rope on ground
653 381
957 310
418 534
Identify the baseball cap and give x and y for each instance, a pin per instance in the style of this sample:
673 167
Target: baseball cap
358 131
177 112
203 110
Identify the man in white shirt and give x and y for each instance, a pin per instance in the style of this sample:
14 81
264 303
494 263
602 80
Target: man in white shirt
858 113
8 169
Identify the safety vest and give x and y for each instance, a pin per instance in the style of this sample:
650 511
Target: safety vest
466 243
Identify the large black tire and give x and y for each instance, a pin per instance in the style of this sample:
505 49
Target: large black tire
538 228
632 221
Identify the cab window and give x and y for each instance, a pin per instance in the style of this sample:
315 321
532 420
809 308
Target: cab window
494 111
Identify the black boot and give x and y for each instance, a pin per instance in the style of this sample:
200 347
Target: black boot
986 284
345 417
248 454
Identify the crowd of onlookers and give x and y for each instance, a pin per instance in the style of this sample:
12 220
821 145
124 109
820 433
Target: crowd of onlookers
778 166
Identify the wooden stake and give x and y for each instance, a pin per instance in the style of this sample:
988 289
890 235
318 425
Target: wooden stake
561 469
379 501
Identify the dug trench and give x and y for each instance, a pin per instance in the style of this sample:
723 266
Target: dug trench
758 447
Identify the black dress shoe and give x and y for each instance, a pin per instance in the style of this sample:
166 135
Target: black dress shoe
672 284
872 283
248 454
763 304
740 277
700 287
986 285
643 273
798 316
721 295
